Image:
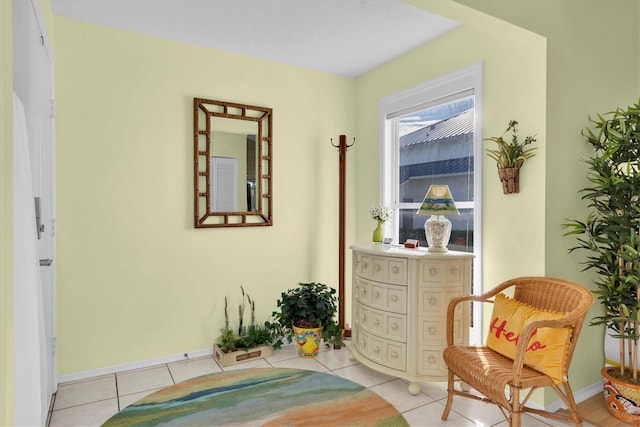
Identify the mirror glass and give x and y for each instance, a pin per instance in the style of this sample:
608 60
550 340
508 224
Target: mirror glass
233 164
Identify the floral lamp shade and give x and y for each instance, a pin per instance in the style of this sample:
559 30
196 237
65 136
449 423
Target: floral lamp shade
437 203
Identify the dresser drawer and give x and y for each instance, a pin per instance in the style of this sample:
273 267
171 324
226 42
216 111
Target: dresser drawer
434 273
384 324
430 362
381 295
385 269
432 331
387 353
434 302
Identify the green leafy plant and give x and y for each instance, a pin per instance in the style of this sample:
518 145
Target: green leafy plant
610 232
246 337
309 305
511 154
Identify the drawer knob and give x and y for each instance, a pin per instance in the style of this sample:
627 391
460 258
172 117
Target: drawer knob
363 343
377 268
395 326
363 292
433 271
431 359
433 301
395 269
454 271
433 330
376 295
376 349
363 317
366 265
394 354
376 322
394 298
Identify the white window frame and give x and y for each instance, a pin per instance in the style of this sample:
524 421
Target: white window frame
437 91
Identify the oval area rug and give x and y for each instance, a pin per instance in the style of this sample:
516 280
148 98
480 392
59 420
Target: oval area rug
261 397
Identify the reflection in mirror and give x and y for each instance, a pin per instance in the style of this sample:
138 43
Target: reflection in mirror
232 164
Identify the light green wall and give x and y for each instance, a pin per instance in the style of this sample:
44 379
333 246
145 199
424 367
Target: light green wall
135 279
592 67
6 220
549 65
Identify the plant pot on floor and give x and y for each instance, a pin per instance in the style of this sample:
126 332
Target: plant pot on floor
239 356
622 398
307 341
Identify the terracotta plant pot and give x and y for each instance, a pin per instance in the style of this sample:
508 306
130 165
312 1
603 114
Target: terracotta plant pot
622 398
510 179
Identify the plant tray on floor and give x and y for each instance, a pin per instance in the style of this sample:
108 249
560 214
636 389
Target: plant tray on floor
239 356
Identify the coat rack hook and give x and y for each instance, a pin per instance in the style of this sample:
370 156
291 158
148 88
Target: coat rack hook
347 146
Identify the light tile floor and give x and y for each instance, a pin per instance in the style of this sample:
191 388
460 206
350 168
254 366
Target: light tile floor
92 401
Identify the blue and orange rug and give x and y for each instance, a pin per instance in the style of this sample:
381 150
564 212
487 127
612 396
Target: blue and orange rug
261 397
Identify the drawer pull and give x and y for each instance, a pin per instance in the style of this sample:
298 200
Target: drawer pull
363 343
364 317
376 349
377 268
376 295
433 330
376 322
395 269
454 271
433 301
395 326
363 292
366 265
394 298
433 271
431 359
394 354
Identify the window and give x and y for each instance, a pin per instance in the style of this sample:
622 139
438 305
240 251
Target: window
428 136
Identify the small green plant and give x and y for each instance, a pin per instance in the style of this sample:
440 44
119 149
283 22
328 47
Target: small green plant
511 154
246 337
309 305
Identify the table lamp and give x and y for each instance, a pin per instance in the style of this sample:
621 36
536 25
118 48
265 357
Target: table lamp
437 203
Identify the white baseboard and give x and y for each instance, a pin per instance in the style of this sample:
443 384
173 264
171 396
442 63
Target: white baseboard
83 375
579 396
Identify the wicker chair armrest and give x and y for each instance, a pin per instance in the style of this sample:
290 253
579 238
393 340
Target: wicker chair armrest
451 308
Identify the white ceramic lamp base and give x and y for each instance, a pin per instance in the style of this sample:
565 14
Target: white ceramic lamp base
437 229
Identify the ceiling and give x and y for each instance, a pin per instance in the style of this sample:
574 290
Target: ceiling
345 37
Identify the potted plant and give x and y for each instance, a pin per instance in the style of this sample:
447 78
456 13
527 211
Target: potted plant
610 234
303 312
245 343
510 156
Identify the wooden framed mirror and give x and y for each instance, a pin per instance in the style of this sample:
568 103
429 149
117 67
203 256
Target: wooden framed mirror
233 164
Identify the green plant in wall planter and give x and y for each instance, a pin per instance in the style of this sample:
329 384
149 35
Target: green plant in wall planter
245 343
310 306
610 235
510 156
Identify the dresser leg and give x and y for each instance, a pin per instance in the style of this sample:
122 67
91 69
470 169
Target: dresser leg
414 388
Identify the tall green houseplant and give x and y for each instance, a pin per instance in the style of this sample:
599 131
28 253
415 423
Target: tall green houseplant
610 232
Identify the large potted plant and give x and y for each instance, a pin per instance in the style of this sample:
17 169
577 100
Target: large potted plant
610 234
306 314
510 156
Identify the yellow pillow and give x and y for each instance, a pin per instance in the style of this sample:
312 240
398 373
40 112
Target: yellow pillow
547 347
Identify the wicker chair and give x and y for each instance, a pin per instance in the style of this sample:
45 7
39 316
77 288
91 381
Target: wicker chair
499 379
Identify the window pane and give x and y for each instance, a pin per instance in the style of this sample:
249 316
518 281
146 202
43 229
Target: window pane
436 147
411 226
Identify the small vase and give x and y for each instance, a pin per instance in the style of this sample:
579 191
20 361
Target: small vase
378 233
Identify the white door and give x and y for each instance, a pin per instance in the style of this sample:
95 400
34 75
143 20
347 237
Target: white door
33 83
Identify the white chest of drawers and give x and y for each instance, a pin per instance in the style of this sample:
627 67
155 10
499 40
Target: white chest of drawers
399 311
